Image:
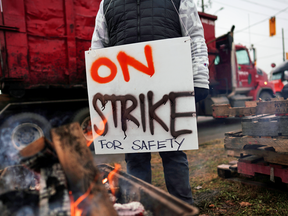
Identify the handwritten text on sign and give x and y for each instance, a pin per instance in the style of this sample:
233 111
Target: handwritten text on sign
141 97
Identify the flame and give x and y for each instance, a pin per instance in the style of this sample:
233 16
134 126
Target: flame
113 181
75 211
104 180
99 133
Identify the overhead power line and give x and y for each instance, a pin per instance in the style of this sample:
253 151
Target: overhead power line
242 9
283 2
252 33
276 54
265 20
266 6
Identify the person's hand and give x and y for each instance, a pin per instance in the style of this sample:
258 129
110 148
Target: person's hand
200 93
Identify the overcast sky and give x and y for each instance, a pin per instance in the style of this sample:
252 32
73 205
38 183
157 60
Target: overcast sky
256 14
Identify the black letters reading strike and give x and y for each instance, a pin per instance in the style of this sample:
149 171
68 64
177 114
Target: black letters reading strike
152 107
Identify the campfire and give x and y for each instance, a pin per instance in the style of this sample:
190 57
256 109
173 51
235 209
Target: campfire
60 177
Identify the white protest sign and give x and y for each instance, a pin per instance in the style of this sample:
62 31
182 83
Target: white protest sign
141 97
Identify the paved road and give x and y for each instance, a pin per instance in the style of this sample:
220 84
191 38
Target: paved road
208 129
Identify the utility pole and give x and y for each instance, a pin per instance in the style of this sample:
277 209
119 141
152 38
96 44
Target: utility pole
203 6
284 55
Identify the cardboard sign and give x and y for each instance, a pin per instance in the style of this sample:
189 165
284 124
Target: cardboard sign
141 97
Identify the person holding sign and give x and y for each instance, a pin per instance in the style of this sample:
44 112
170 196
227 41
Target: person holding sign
121 22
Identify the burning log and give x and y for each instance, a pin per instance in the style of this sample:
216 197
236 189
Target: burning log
83 178
70 182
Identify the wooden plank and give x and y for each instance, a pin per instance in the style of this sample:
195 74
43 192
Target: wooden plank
234 133
272 107
236 143
263 107
271 157
251 103
225 110
82 175
251 159
38 154
269 125
254 103
273 150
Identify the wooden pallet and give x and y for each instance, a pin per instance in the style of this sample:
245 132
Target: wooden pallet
251 166
277 106
265 125
272 149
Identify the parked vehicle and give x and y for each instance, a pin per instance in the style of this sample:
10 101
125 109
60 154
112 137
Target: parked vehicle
279 77
42 74
234 77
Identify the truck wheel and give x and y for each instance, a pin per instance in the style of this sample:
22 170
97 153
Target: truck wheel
22 129
265 96
83 117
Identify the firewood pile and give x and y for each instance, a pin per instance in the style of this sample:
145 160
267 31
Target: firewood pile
68 180
59 177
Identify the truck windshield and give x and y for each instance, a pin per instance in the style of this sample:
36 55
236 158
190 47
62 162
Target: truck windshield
276 76
242 57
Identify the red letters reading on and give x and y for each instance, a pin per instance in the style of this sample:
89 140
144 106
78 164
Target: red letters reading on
124 61
97 64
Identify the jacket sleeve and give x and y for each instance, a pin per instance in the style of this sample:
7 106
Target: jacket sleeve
100 37
192 26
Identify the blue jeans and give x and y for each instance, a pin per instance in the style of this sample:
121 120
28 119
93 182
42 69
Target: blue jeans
176 171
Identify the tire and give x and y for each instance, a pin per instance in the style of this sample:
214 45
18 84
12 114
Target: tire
265 96
19 131
82 116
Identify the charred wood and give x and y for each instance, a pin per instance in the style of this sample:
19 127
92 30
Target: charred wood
83 176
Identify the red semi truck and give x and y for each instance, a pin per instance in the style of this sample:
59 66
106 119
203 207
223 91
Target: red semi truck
234 77
42 74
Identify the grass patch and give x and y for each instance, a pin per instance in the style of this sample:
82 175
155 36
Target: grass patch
217 196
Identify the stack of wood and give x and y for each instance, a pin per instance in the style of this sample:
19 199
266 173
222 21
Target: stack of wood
262 145
70 182
264 130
